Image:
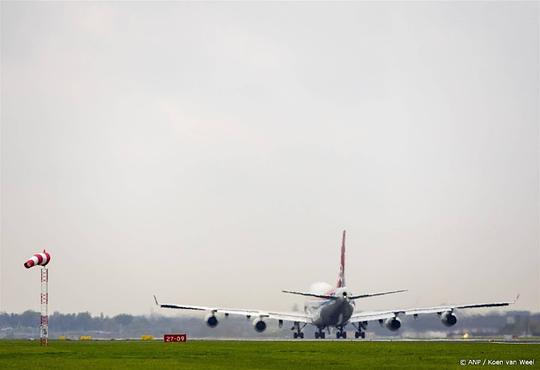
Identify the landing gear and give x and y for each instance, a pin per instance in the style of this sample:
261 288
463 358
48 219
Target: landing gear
341 334
319 334
298 330
360 333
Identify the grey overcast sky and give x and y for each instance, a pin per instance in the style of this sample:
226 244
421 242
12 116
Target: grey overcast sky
212 153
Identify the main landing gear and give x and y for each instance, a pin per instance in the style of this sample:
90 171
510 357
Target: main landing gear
341 333
360 333
319 334
298 330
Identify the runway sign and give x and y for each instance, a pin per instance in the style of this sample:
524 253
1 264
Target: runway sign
177 338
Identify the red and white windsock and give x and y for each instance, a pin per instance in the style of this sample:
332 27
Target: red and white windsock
41 259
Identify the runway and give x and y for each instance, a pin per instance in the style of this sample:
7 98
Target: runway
533 341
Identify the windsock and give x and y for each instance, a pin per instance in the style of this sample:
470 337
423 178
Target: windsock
41 259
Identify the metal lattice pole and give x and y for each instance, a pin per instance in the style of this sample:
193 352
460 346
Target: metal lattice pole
44 324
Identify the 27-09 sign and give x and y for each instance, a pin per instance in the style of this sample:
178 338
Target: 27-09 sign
176 338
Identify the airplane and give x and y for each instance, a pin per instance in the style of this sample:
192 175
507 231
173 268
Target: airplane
329 307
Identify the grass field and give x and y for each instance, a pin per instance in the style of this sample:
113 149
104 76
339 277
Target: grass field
258 355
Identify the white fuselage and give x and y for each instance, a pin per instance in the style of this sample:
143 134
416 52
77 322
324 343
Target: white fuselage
331 312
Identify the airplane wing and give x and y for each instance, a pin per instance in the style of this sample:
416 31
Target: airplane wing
377 294
382 315
282 316
325 296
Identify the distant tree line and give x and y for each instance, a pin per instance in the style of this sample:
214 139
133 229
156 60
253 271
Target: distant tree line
81 321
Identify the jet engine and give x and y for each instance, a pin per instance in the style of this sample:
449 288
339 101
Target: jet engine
448 318
211 320
393 323
259 325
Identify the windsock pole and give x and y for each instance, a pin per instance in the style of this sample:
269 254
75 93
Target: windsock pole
44 322
42 259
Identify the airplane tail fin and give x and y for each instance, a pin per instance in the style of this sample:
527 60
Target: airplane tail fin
341 277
